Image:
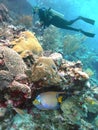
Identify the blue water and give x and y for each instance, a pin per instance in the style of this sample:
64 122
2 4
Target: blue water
73 8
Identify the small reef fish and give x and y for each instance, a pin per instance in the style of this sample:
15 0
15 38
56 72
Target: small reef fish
48 100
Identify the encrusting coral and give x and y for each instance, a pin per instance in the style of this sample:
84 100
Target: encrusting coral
27 42
44 71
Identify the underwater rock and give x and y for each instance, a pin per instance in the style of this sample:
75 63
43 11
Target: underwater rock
12 60
12 71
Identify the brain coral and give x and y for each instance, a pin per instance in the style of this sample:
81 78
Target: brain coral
27 42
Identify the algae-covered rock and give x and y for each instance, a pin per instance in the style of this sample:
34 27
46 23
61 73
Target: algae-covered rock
12 61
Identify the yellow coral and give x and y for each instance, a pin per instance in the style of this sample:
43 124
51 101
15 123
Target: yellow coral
45 70
27 42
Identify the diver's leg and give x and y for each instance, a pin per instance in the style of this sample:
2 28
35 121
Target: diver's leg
72 21
61 22
88 34
90 21
71 28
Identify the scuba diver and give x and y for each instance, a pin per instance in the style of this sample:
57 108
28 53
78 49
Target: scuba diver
51 17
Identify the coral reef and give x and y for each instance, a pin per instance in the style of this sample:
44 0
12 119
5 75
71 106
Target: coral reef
27 42
44 71
17 84
27 71
20 84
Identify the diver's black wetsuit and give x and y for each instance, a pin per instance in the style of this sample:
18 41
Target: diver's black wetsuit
49 17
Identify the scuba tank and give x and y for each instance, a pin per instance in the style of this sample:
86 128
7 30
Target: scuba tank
54 12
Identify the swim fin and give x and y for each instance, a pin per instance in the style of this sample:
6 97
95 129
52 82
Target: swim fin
87 33
90 21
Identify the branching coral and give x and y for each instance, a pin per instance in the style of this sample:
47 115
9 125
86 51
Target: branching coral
72 43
